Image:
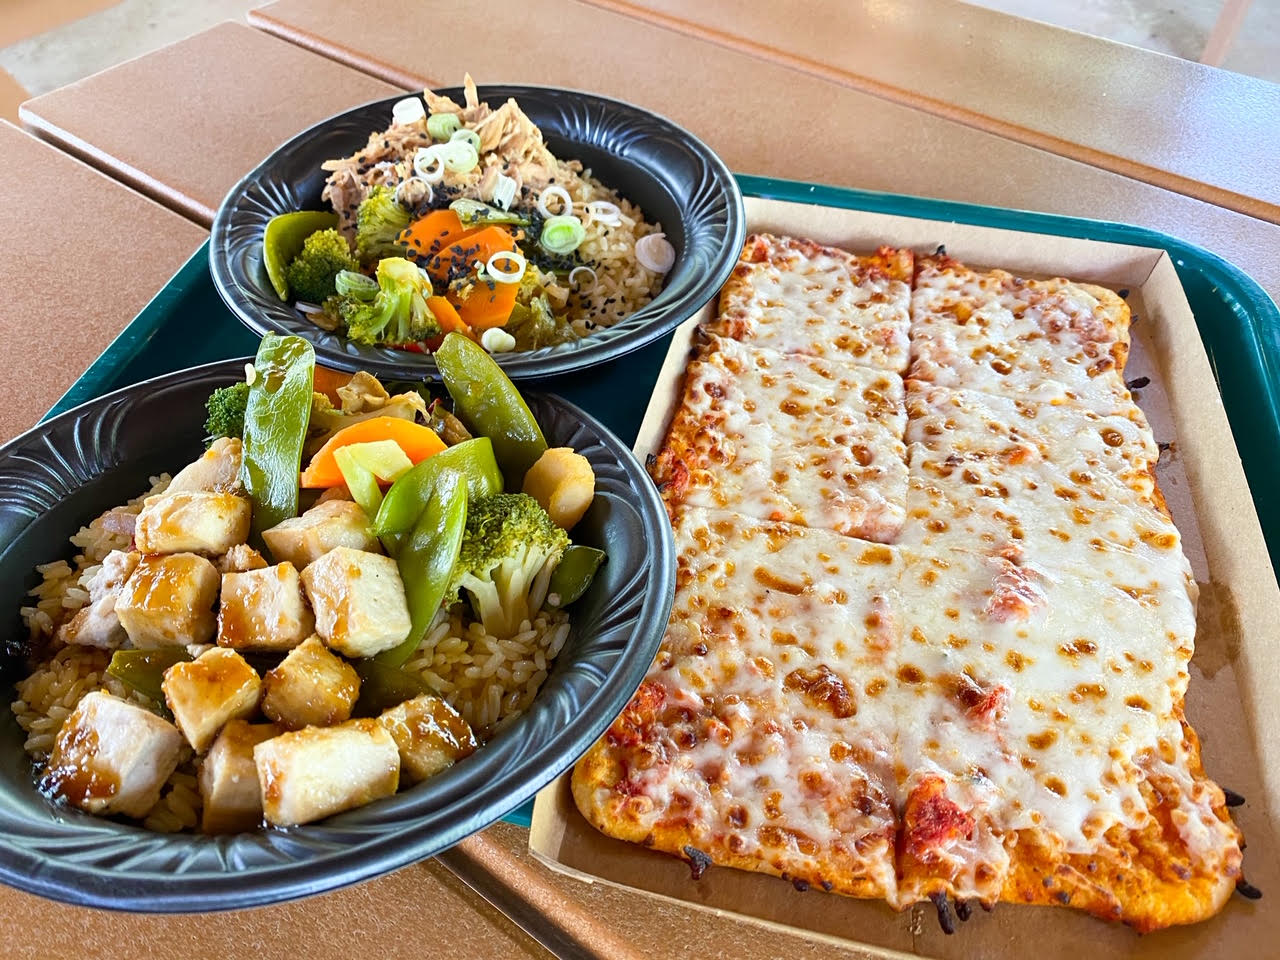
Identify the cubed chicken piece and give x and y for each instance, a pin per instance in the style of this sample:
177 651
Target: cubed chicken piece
112 756
359 601
430 735
320 771
97 624
218 471
168 601
194 521
310 688
333 523
263 610
241 559
203 694
232 798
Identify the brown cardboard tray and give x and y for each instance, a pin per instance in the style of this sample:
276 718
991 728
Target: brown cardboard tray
1234 695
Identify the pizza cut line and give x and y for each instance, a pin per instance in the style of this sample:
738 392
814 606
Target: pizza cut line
960 675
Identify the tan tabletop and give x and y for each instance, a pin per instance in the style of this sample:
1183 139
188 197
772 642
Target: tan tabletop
63 218
740 105
218 103
1205 132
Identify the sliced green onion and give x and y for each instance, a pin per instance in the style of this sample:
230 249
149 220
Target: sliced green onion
552 192
562 234
442 125
504 191
459 156
407 111
604 213
428 163
506 266
497 340
655 253
470 136
352 284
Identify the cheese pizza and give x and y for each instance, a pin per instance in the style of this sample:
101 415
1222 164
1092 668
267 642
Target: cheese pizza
957 676
789 437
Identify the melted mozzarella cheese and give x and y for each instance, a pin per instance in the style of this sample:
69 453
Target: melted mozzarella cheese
778 645
795 296
794 438
1039 339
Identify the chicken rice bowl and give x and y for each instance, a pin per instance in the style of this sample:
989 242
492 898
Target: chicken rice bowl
257 642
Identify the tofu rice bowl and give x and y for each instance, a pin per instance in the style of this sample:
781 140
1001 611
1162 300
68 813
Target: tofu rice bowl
351 590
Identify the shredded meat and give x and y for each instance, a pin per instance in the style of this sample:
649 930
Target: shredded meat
510 144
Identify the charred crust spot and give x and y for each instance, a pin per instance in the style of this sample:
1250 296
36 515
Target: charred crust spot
1248 890
1233 799
963 910
799 884
941 251
1137 383
1122 293
946 919
1063 897
698 861
827 885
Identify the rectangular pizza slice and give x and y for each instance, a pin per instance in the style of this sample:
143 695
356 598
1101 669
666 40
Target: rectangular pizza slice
972 423
1054 765
797 296
788 437
762 737
1038 339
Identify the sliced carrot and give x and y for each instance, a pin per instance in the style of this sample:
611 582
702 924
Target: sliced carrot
427 235
328 381
447 315
486 307
418 443
479 245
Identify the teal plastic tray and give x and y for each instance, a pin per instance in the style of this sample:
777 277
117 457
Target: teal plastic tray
186 324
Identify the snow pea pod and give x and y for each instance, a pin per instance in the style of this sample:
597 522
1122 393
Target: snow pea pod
404 502
382 687
573 574
489 404
426 558
143 670
275 427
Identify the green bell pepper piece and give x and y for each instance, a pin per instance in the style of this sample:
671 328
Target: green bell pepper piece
382 687
486 400
275 427
142 670
573 574
426 558
404 502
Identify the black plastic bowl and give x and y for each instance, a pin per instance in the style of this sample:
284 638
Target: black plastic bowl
673 176
66 471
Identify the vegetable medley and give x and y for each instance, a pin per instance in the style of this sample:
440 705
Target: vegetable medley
458 218
261 622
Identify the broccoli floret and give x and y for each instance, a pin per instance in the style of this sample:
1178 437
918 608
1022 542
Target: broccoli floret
509 550
536 326
379 220
398 313
226 407
311 273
